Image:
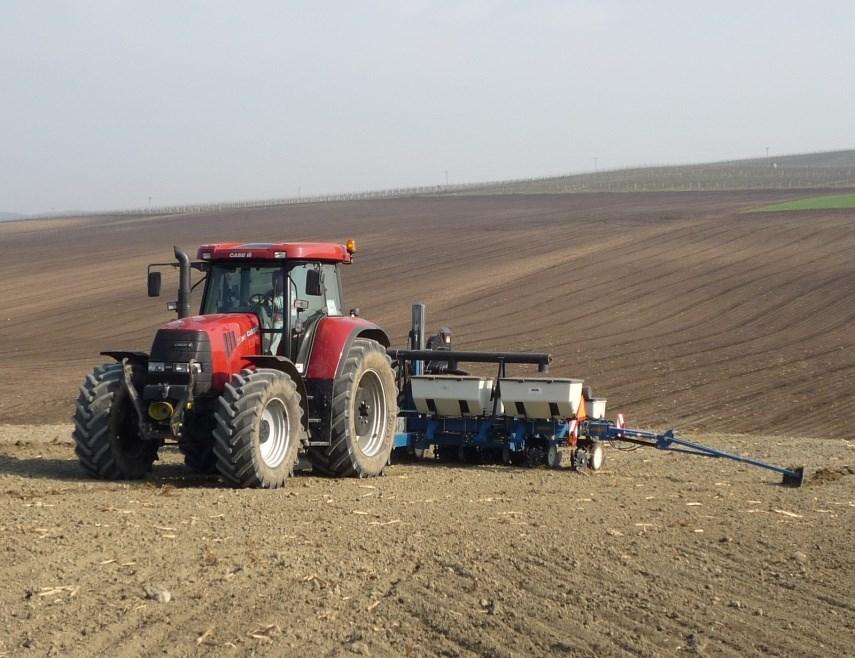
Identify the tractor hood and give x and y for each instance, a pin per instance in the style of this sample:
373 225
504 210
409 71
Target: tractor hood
236 322
221 342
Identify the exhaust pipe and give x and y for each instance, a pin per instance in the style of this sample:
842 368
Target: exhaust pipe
183 304
417 335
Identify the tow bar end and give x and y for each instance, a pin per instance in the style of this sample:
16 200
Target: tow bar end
794 477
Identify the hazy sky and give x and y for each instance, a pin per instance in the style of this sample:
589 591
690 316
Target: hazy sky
103 104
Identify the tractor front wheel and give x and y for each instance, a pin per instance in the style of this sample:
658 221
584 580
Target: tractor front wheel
259 430
364 415
106 430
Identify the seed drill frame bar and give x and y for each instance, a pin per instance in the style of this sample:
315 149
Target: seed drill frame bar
606 430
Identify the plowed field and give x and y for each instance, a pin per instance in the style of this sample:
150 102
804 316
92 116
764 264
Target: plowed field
681 308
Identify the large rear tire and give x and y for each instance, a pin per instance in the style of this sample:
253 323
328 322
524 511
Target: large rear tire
106 430
364 415
259 430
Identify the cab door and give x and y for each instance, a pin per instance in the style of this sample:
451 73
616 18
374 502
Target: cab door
310 305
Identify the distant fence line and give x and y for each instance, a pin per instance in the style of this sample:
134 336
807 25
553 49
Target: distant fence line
607 182
393 193
758 173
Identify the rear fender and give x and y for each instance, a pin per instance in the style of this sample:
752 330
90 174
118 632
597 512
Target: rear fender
333 338
287 366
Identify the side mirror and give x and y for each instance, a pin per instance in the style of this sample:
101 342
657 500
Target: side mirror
314 283
154 284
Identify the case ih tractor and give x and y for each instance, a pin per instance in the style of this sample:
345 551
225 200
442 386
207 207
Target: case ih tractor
269 368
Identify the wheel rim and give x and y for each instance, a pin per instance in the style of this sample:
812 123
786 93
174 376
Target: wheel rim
370 413
274 436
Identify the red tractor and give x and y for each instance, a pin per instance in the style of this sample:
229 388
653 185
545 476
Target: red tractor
270 368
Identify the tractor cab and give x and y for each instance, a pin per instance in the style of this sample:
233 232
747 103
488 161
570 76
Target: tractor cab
288 286
288 298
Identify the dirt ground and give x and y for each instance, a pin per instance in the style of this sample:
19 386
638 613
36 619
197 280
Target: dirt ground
655 555
683 309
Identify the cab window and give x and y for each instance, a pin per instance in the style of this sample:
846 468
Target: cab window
238 288
332 286
316 303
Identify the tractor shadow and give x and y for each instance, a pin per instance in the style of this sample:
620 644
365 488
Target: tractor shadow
171 473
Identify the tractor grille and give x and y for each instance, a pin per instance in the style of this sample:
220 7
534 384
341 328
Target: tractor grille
174 346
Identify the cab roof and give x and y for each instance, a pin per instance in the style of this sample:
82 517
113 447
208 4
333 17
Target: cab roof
323 251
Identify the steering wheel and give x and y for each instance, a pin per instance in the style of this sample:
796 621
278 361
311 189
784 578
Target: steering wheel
263 305
259 299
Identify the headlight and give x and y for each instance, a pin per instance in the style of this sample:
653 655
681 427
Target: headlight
185 367
156 366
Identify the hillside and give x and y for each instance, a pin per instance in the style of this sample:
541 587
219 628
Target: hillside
834 169
679 307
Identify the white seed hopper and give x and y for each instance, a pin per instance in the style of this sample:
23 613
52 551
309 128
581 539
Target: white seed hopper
452 395
541 397
595 408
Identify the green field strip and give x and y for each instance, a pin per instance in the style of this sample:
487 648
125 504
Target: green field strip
828 202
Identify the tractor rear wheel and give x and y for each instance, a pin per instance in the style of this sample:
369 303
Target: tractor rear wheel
106 430
364 415
259 430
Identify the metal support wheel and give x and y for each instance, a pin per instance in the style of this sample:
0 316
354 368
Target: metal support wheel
596 456
580 459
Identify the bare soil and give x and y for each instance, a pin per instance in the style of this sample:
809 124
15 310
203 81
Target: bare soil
680 308
655 555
